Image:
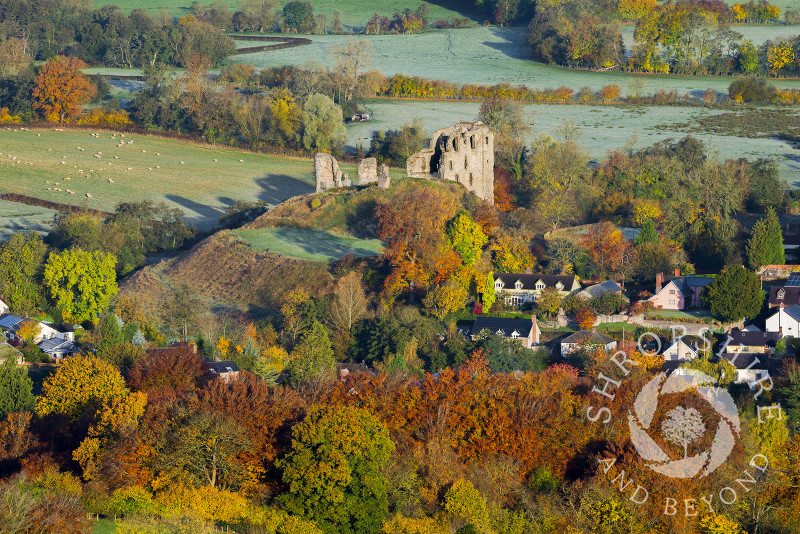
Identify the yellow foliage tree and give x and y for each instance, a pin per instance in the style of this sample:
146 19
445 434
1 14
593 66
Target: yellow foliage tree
29 330
718 524
465 503
778 56
82 385
444 299
400 524
206 503
511 255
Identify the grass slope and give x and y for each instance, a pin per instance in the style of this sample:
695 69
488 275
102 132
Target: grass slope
354 12
307 244
209 179
16 217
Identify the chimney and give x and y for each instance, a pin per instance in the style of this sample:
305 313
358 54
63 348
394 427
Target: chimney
659 281
528 271
534 328
677 272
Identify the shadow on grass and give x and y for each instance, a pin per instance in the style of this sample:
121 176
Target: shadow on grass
207 216
320 243
275 188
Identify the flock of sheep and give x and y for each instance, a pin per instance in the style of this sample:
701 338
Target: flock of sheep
53 187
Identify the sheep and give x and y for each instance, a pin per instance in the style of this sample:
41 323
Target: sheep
215 160
158 153
241 161
88 195
110 181
181 163
158 166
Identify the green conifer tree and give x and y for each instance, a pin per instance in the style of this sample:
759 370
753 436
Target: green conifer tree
647 234
765 246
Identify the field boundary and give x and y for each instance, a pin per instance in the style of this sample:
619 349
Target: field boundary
286 42
33 201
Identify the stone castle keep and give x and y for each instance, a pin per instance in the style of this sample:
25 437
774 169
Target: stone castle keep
462 153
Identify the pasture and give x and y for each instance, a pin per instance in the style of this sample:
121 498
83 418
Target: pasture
487 55
309 244
98 169
16 217
602 128
354 12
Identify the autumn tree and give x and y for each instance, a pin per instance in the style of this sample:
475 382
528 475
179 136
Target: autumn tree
14 57
416 247
606 247
334 470
349 304
80 283
205 446
81 385
585 318
466 237
352 58
508 123
60 88
511 255
445 299
313 355
765 246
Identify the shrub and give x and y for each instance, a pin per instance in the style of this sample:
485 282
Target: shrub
752 89
97 116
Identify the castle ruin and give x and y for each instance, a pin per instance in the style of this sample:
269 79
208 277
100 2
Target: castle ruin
462 153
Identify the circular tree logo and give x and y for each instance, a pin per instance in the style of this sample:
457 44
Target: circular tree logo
683 426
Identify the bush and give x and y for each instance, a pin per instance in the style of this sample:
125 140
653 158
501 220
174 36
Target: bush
752 89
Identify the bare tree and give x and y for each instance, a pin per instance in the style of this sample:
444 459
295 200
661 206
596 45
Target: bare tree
350 303
351 59
683 426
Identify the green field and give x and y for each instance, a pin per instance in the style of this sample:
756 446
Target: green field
15 217
354 12
602 128
483 55
308 244
210 178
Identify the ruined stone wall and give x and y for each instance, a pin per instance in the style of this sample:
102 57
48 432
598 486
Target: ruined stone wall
462 153
327 173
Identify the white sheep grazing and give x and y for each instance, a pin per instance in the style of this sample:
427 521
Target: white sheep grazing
241 161
181 163
158 166
110 181
144 150
158 153
38 135
67 178
115 157
88 195
215 160
63 162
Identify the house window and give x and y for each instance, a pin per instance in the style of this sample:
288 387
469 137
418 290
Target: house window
513 301
515 334
758 375
671 291
745 349
672 302
780 294
539 285
518 285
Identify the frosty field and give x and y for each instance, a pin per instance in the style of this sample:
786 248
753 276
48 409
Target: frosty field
485 55
602 128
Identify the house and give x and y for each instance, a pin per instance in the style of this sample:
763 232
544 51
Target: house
586 339
522 330
743 341
785 321
791 247
57 348
520 288
679 351
750 367
609 286
11 324
3 307
783 296
224 370
679 292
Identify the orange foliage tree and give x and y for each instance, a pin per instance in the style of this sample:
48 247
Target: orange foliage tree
585 318
607 247
412 225
60 88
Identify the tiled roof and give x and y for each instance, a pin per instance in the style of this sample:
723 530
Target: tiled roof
221 367
588 337
791 295
753 339
529 280
501 326
56 345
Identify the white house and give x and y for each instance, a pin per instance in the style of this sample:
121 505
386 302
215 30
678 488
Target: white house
3 307
785 321
520 288
679 351
586 339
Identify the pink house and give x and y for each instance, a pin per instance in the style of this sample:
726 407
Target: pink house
679 292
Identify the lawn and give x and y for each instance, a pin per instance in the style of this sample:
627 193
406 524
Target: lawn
488 55
354 12
308 244
200 179
681 314
15 217
104 526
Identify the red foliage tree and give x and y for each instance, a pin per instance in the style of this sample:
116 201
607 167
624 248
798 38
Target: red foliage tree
60 88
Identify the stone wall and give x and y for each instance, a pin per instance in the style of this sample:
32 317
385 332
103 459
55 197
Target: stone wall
462 153
327 173
368 171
